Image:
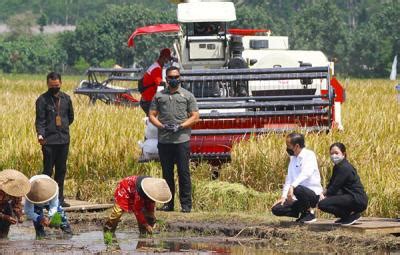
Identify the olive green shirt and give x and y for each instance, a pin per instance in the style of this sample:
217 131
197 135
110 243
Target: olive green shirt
174 109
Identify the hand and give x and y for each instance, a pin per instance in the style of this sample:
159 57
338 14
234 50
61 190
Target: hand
280 201
290 196
10 219
41 140
172 127
149 229
45 222
321 197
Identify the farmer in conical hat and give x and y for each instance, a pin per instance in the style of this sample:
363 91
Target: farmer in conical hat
13 186
138 194
44 194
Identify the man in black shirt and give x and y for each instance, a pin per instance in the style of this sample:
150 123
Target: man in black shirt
54 114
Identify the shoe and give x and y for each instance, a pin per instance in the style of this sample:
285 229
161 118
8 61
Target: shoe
308 218
302 215
185 210
351 219
65 204
338 221
165 208
40 233
66 229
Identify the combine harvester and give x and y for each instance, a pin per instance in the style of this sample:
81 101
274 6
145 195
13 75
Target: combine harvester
246 81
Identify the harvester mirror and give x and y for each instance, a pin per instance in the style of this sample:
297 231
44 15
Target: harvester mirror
308 81
252 61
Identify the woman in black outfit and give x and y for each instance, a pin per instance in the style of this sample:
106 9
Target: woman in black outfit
345 196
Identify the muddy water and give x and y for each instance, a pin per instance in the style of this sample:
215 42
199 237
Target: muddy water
21 240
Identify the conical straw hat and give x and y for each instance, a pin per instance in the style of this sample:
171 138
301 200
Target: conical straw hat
43 189
156 189
14 183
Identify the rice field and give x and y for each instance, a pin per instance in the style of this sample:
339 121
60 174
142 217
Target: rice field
104 148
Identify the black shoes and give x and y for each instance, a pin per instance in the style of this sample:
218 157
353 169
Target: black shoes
351 219
338 221
306 217
66 230
185 210
64 204
166 208
302 215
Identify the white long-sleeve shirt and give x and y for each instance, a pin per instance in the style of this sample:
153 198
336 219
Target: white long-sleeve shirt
303 170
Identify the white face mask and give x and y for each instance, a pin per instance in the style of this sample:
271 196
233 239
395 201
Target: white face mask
336 159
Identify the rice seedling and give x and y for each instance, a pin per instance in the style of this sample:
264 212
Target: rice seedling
104 149
55 221
108 238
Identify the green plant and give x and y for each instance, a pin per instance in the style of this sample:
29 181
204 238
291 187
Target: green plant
56 220
108 237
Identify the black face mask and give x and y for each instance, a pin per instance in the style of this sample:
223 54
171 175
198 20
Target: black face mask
290 152
173 83
54 91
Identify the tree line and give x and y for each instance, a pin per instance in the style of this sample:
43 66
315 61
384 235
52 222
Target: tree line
361 36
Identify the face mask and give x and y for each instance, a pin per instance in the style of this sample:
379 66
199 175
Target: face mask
290 152
336 159
174 83
54 91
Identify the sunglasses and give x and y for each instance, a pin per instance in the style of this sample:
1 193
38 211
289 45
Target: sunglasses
173 77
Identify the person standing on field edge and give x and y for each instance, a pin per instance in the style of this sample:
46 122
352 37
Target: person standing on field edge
54 115
302 189
174 111
152 78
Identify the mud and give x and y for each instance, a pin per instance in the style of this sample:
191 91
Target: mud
182 234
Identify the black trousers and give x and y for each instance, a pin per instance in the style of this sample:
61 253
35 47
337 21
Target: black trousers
306 199
5 225
178 154
145 105
341 206
55 156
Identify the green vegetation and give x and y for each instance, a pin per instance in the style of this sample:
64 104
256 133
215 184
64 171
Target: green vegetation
56 220
104 149
108 238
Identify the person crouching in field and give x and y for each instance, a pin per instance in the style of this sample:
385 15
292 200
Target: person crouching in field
138 194
345 196
44 195
13 186
303 182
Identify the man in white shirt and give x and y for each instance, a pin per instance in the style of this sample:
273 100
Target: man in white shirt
303 182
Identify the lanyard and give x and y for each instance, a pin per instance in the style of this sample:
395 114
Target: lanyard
58 105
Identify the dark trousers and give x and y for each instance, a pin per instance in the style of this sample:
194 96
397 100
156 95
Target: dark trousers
306 199
56 156
178 154
341 206
145 105
39 210
5 225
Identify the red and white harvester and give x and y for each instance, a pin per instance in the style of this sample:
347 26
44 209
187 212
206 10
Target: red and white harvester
246 81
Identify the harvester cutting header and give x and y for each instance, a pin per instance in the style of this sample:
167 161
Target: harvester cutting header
246 81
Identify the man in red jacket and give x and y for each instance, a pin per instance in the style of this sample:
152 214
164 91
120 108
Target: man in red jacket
153 78
137 195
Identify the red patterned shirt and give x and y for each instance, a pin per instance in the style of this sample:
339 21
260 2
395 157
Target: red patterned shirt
128 198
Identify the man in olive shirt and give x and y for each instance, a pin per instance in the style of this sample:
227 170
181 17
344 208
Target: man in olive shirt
54 114
174 111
